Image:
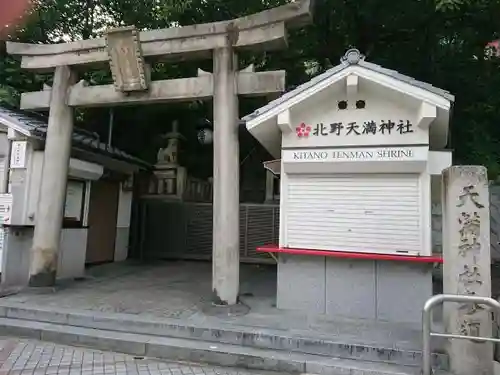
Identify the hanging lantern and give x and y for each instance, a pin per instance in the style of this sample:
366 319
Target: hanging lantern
205 132
205 136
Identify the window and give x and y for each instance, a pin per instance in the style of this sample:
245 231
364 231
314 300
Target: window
276 187
74 204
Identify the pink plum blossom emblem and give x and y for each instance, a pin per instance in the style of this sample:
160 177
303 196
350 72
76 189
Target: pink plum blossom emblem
303 130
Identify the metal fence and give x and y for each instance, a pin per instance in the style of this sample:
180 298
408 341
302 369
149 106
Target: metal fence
175 229
182 230
427 324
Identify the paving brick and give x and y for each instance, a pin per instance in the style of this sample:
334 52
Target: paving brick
31 357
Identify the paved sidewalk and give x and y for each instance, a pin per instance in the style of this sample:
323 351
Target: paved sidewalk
30 357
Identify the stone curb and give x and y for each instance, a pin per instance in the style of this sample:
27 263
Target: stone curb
265 339
198 351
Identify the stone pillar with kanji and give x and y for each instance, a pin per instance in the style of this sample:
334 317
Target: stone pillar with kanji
466 253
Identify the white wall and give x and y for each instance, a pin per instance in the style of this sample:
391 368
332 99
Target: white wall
4 146
35 170
71 261
78 169
73 246
25 185
322 108
123 225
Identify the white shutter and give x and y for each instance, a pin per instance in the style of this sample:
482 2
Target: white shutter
360 213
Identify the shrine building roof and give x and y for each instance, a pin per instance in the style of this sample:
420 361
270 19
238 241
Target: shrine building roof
34 125
351 58
387 85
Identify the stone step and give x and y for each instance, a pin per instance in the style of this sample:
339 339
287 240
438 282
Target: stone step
198 351
210 332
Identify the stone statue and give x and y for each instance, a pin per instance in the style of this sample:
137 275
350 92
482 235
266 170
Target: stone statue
169 154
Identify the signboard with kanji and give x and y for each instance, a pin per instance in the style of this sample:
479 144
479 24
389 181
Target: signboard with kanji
381 122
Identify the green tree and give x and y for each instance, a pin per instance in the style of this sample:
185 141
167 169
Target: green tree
438 41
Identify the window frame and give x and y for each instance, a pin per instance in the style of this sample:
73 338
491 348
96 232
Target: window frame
70 222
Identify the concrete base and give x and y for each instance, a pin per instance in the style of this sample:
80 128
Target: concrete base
220 341
238 309
44 279
121 243
367 289
16 255
212 352
130 304
496 368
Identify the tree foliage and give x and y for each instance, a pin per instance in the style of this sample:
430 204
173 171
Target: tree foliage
438 41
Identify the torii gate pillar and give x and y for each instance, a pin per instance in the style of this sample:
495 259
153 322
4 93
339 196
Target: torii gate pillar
226 174
49 217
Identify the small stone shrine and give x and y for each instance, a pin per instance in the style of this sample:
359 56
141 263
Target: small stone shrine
169 175
360 152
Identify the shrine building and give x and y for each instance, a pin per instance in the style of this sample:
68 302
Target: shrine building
359 151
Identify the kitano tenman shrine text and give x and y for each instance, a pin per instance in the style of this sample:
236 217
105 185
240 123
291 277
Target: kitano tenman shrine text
384 153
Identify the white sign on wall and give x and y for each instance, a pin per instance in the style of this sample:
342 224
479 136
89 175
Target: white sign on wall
323 123
355 128
74 200
5 208
18 154
356 154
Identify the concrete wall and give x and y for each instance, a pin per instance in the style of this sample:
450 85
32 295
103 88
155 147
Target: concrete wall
72 253
4 145
15 257
4 160
20 181
25 188
123 225
78 169
367 289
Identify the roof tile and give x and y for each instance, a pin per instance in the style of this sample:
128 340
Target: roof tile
36 124
336 69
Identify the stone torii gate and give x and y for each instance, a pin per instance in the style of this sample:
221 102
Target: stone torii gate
128 52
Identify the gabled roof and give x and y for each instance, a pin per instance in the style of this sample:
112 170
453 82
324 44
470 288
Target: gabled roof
34 125
351 57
